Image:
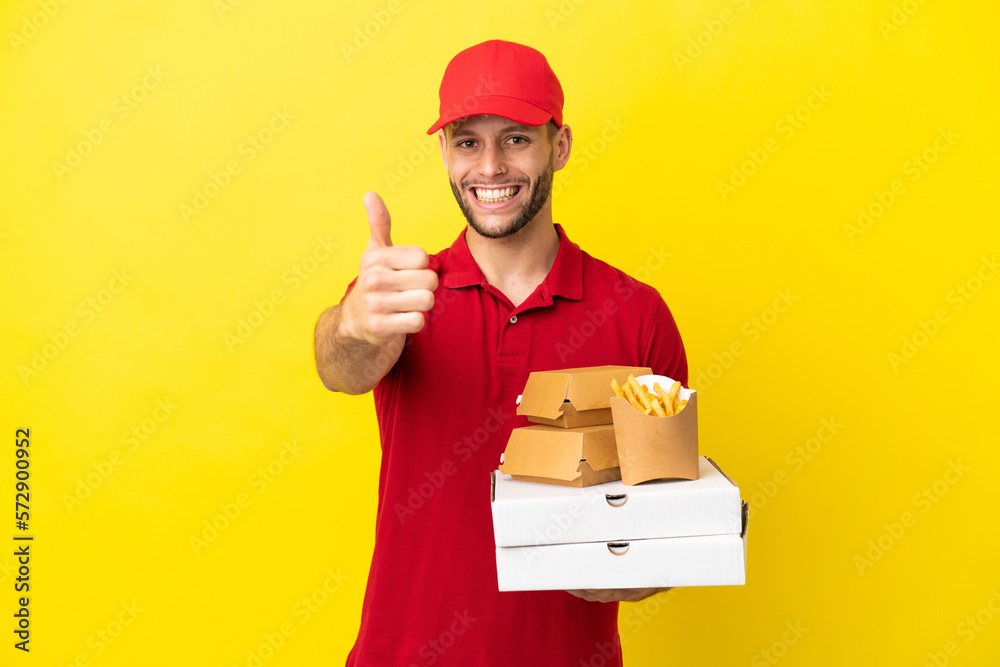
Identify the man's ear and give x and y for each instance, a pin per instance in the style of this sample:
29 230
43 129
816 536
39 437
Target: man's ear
444 148
562 142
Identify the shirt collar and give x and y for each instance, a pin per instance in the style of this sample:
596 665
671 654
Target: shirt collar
565 278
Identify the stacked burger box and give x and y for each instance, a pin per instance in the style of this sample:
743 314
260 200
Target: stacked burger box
573 443
599 495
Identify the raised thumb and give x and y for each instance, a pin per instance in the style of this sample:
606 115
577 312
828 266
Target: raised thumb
378 221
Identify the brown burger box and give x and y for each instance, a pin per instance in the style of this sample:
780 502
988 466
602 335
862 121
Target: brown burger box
581 456
573 396
651 447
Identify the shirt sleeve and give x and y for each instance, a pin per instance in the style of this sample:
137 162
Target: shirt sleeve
664 349
349 288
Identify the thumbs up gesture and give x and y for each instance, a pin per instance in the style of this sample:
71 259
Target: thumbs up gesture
394 287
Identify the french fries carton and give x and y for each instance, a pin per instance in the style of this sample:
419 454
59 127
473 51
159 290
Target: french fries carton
674 532
653 447
573 396
581 456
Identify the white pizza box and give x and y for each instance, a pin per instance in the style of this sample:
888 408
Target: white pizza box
528 514
706 560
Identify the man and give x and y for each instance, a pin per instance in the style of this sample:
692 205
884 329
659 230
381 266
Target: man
447 343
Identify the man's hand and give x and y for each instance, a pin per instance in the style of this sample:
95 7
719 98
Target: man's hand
394 287
616 594
358 341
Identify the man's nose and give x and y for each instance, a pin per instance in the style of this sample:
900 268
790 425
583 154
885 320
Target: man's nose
492 161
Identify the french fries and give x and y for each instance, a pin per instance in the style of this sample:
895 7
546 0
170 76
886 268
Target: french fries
658 409
631 397
675 389
664 396
658 402
617 388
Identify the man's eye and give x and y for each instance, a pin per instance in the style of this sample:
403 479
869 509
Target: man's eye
465 144
518 140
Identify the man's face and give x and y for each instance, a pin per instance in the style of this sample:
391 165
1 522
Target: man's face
500 171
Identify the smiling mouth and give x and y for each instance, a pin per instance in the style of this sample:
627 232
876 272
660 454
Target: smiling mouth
495 195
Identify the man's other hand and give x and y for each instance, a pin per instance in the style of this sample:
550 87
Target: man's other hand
616 594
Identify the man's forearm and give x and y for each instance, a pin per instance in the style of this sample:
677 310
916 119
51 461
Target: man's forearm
348 364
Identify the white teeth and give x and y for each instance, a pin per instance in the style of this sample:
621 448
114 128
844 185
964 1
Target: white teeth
495 195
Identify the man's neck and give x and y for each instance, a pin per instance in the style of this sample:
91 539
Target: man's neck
516 264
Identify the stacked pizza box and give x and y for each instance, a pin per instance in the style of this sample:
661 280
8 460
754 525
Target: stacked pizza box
598 494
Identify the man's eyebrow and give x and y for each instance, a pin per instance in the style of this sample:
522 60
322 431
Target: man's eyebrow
462 132
466 132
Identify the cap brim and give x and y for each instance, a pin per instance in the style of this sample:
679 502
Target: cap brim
514 109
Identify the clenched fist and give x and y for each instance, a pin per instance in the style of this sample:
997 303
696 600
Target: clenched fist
394 287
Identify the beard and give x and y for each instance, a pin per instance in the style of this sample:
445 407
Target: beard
537 196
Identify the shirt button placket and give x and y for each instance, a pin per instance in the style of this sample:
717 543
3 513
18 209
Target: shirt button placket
513 338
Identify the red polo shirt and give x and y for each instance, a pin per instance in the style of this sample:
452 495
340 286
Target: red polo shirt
445 412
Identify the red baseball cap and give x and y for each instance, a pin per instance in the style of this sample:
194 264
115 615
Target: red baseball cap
501 79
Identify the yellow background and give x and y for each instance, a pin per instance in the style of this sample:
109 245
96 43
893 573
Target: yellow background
229 70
